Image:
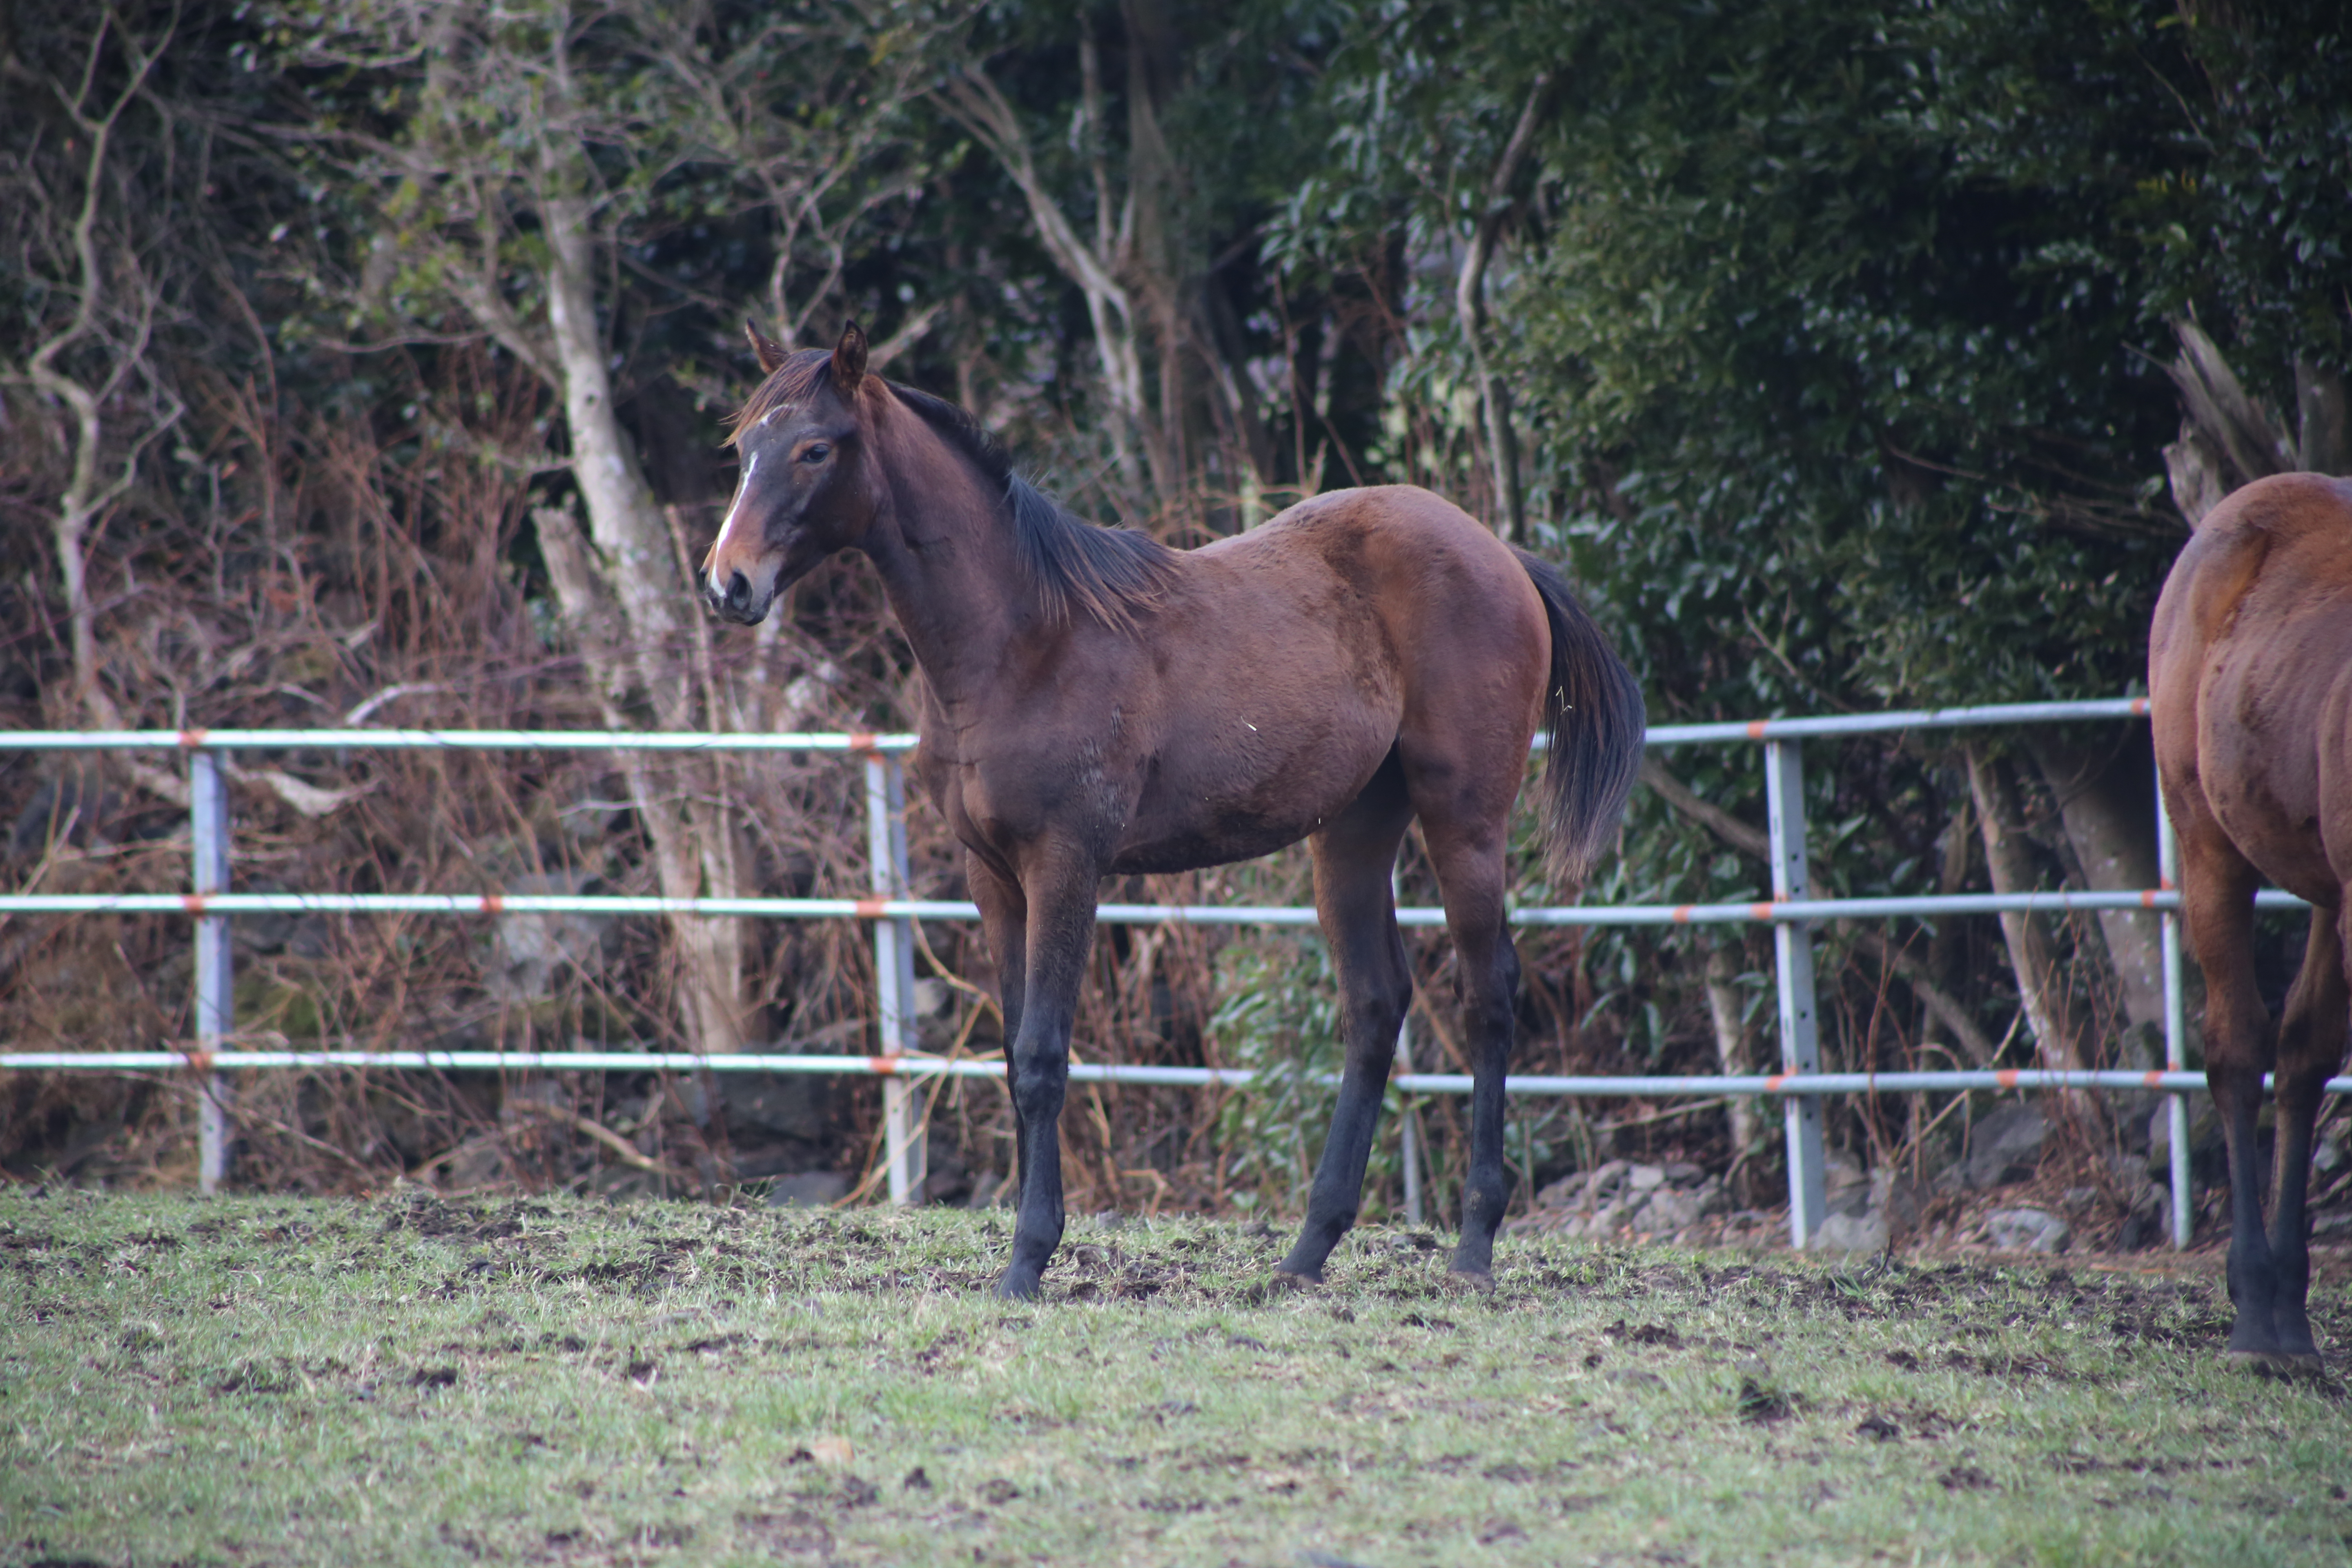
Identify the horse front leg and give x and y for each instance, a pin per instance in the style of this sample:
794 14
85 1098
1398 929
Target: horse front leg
2310 1049
1059 930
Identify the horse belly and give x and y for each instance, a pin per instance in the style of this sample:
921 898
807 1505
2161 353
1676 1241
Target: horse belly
1172 835
1219 841
1250 789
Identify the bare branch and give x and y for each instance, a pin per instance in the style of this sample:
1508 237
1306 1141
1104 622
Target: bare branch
311 800
625 1151
1470 304
84 497
974 101
909 334
360 714
1754 841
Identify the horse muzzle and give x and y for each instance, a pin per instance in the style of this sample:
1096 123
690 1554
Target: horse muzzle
738 600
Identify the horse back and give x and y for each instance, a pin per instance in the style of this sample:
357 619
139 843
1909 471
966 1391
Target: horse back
2250 674
1286 664
1403 567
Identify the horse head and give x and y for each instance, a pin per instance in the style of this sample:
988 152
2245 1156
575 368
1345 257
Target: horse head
802 496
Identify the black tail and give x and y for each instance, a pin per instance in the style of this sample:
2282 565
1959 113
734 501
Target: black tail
1594 712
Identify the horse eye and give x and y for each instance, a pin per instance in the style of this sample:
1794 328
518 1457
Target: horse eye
817 453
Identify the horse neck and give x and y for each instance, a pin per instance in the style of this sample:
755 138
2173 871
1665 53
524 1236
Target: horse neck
943 545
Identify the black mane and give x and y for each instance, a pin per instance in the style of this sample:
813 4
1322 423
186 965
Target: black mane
1108 572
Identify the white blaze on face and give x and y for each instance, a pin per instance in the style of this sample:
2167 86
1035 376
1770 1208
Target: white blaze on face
744 486
727 528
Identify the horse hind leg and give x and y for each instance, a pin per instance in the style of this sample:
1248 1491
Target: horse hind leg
2310 1048
1354 855
2218 897
1004 928
1467 847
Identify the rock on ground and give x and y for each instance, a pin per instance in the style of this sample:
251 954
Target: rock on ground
2027 1230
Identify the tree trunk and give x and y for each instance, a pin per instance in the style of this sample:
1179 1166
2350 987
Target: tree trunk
972 101
1470 304
1926 986
2033 950
2195 470
2228 439
2107 802
1156 263
627 564
1724 1009
710 996
624 521
2325 445
1944 948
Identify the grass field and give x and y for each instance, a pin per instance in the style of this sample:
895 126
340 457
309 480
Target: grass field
268 1381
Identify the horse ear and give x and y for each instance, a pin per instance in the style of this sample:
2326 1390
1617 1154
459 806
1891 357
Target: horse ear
771 352
849 358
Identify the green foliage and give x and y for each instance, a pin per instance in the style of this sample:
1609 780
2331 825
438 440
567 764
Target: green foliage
1846 428
1832 317
2203 151
1836 328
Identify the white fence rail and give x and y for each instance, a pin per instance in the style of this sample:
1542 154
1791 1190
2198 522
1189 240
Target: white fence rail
1791 911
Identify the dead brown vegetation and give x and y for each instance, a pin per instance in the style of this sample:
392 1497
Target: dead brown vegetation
232 517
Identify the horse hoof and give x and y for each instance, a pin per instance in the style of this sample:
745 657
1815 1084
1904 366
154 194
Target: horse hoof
1281 1282
2284 1364
1017 1287
1471 1281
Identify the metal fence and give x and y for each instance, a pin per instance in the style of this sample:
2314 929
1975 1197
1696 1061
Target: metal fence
1791 911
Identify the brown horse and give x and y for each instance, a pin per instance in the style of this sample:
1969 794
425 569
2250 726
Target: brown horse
1096 702
2249 680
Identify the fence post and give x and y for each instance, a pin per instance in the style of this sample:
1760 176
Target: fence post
2176 1024
1792 953
208 840
903 1100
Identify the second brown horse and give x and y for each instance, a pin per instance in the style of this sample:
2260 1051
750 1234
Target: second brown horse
1095 703
2250 684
